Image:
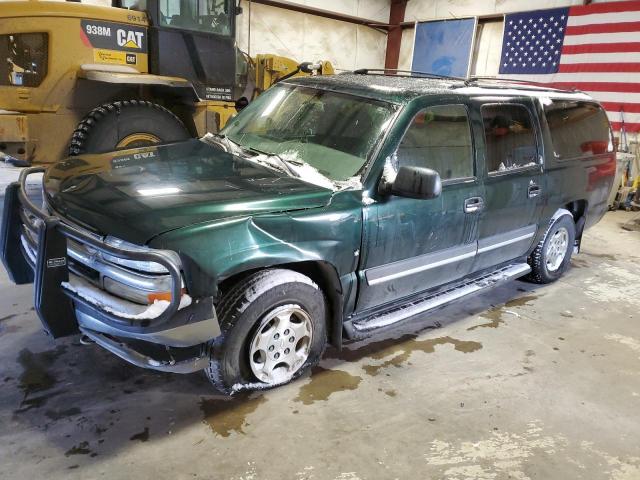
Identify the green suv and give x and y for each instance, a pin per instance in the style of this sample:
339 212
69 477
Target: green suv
330 208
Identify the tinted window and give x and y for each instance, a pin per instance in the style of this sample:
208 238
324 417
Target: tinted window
213 16
509 136
577 128
439 138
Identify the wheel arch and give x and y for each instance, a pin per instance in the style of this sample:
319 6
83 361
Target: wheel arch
160 86
578 210
176 94
322 273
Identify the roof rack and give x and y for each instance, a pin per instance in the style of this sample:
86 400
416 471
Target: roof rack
504 82
409 73
475 78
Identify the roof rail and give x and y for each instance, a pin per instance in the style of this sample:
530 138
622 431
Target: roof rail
475 78
410 73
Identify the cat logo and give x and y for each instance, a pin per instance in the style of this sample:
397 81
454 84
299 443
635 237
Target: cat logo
131 59
129 38
114 36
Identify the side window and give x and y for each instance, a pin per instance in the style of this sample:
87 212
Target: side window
509 137
439 138
211 16
138 5
578 129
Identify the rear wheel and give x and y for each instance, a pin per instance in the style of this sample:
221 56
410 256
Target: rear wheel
551 257
273 330
126 124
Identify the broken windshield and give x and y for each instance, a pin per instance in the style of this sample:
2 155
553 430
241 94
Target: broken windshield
332 132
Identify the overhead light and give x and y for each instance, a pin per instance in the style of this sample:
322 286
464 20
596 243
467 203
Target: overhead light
149 192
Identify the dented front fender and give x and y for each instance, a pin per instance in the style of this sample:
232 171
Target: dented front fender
218 250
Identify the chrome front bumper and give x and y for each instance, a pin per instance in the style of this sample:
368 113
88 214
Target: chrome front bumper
39 247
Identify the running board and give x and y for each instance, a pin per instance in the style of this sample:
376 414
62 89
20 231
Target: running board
364 326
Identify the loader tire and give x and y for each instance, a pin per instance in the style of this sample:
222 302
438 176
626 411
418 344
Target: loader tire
126 124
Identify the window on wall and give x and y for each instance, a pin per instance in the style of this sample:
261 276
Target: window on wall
439 138
212 16
578 129
509 137
485 60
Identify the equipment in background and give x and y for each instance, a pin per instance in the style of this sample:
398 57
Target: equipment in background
620 189
79 78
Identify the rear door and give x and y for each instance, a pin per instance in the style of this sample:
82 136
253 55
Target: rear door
513 180
413 245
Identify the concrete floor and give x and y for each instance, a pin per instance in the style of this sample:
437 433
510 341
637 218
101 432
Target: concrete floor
524 382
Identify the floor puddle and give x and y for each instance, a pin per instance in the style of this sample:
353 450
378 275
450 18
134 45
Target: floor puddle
496 314
81 449
227 416
143 436
325 382
35 376
401 353
390 393
60 414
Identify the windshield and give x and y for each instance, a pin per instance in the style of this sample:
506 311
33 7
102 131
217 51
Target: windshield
332 132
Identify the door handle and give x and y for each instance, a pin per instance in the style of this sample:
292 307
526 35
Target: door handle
473 205
534 191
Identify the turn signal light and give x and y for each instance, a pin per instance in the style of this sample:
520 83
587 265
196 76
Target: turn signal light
152 297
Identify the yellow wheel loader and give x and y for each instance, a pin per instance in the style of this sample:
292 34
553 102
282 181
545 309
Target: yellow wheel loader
78 78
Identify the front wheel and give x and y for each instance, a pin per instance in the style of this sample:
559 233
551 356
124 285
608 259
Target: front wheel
273 330
551 257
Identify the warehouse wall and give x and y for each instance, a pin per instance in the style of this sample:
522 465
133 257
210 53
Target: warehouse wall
309 37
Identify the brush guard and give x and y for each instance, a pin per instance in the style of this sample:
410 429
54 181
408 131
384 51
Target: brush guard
56 305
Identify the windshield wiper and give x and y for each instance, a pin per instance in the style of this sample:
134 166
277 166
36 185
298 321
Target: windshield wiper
221 141
284 164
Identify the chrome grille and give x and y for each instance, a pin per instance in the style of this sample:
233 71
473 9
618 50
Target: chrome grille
86 262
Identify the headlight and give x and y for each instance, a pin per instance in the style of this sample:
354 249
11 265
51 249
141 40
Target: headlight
147 267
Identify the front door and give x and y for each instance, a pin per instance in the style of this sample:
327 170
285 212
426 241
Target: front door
414 245
195 40
513 181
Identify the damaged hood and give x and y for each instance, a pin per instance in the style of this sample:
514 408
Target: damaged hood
138 194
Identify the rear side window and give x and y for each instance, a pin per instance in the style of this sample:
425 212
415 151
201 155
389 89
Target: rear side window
439 138
509 136
577 129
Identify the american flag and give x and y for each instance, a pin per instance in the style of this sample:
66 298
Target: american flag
594 48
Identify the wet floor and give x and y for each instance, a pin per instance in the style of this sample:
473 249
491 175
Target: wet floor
526 382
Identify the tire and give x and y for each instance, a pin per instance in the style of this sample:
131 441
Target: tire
546 267
126 124
235 355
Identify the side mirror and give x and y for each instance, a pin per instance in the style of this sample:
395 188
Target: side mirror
416 182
